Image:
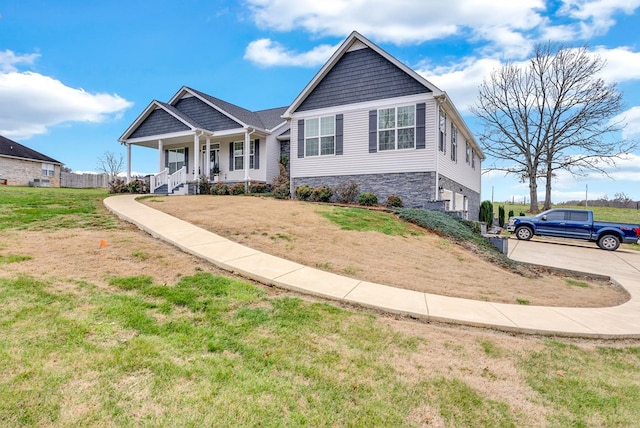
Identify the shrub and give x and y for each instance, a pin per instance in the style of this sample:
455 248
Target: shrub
346 193
219 189
204 185
486 212
367 199
501 216
303 192
510 214
136 186
394 201
280 184
237 189
321 194
258 188
522 214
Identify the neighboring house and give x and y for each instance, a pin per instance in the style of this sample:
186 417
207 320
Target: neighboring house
22 166
365 118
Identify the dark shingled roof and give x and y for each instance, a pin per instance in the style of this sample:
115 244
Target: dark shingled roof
11 148
263 119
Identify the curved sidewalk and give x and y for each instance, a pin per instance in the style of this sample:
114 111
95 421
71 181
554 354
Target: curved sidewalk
612 322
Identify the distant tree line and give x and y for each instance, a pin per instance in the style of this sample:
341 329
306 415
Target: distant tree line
620 200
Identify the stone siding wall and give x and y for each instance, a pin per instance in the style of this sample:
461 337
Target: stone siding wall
20 172
416 189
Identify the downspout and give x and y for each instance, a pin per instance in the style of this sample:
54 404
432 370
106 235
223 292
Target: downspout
440 100
247 145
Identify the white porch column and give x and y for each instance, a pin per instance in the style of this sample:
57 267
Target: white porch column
246 158
196 156
128 163
208 160
160 156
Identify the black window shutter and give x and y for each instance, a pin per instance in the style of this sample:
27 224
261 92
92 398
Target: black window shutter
166 158
339 131
186 159
301 138
420 122
230 156
373 131
256 154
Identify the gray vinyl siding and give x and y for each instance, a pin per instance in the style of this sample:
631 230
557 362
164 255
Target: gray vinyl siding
205 115
356 158
359 76
270 157
159 122
462 171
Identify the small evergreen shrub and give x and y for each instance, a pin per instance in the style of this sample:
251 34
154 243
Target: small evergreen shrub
346 193
280 184
510 214
258 188
522 214
367 199
204 185
303 192
486 212
237 189
394 201
501 216
321 194
219 189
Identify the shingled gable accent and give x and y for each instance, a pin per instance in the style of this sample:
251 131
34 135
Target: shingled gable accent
359 76
159 122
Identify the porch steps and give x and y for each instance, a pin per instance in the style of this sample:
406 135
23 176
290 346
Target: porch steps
178 190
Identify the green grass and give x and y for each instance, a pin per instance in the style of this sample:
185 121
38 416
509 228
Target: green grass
13 258
576 283
584 387
363 220
52 208
620 215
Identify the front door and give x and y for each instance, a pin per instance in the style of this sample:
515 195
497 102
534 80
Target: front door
214 160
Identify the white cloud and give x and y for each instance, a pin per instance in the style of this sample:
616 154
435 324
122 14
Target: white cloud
460 80
631 118
9 60
400 21
30 102
267 53
622 63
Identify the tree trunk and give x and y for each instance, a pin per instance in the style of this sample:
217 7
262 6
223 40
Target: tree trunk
533 194
547 190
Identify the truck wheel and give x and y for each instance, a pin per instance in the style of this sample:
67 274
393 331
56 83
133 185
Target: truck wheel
524 233
609 242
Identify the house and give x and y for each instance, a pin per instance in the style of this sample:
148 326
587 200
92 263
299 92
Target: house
22 166
365 118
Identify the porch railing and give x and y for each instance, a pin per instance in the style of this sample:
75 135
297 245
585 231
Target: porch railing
171 180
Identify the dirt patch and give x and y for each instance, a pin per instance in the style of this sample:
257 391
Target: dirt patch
425 262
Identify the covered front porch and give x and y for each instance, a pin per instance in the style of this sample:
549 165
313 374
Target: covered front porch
232 157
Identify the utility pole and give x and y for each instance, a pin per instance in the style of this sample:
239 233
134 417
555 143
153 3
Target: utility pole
586 195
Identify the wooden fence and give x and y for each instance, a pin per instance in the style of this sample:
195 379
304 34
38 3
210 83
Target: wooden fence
70 179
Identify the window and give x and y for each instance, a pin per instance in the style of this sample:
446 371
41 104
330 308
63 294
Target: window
177 159
396 128
467 153
578 216
48 170
454 143
555 216
238 154
443 131
473 159
320 136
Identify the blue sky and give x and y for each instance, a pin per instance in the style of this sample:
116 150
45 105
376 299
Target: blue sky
75 74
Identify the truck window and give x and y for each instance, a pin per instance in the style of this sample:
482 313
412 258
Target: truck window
578 216
555 216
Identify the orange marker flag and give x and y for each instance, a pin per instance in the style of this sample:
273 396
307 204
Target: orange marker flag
103 243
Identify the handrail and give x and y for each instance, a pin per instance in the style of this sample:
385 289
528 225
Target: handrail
171 180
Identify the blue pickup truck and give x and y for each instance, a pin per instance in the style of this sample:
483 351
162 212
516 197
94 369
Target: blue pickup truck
576 224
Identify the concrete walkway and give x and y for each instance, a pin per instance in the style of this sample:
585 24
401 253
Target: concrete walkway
612 322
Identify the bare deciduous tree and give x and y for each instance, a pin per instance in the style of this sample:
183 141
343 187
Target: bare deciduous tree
111 164
553 114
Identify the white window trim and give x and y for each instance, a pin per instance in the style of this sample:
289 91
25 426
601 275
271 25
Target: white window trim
320 135
396 128
48 170
241 156
454 143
